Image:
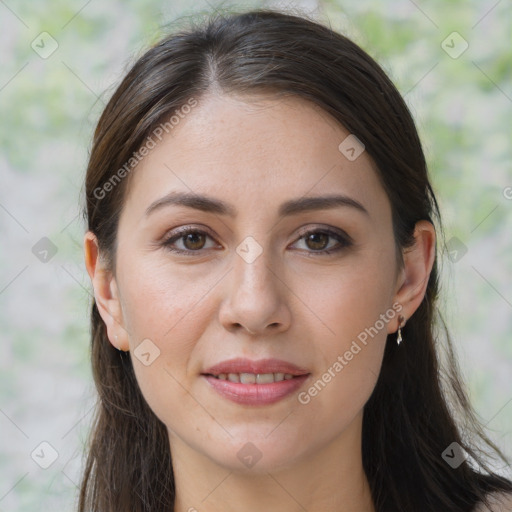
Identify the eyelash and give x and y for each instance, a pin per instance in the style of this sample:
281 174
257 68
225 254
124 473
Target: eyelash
344 240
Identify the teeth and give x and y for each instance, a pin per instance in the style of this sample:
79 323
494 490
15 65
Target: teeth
247 378
266 378
253 378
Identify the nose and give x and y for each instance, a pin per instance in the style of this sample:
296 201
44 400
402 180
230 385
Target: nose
255 298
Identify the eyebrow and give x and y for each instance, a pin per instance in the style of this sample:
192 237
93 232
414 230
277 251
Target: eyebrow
288 208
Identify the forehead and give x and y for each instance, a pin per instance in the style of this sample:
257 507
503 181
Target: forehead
256 151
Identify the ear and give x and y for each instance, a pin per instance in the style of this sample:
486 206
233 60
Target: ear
106 293
418 262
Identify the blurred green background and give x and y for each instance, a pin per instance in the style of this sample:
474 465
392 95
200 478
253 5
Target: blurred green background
61 61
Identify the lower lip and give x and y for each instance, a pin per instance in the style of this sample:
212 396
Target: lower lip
255 394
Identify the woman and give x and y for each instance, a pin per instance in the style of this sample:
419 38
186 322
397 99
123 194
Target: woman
262 248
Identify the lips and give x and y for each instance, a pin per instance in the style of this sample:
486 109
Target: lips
255 382
262 366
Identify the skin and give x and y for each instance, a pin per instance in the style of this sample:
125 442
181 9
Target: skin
291 303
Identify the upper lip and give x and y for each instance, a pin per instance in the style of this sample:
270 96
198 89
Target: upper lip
242 365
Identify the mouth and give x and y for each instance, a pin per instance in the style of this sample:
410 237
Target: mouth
255 382
253 378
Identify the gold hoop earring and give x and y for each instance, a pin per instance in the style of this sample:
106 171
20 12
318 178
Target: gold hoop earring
401 323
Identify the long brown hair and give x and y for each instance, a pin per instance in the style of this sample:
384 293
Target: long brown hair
407 421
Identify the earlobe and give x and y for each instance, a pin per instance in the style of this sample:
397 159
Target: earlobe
106 292
418 262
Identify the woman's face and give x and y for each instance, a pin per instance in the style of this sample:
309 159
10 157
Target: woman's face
253 281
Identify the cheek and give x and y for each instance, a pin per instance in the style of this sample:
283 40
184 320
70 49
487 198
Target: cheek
351 300
174 321
353 309
159 299
170 308
349 367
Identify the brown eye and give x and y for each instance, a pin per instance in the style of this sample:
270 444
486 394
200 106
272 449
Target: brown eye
324 241
317 241
188 241
193 241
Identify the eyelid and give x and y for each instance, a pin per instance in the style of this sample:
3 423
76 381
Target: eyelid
344 240
180 232
326 229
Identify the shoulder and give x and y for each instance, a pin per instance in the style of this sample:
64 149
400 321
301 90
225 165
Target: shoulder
501 502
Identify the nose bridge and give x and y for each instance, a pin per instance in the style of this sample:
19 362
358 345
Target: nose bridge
252 271
255 297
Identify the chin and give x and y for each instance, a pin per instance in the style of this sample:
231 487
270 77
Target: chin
259 456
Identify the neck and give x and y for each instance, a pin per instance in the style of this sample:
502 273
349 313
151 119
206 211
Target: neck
331 479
